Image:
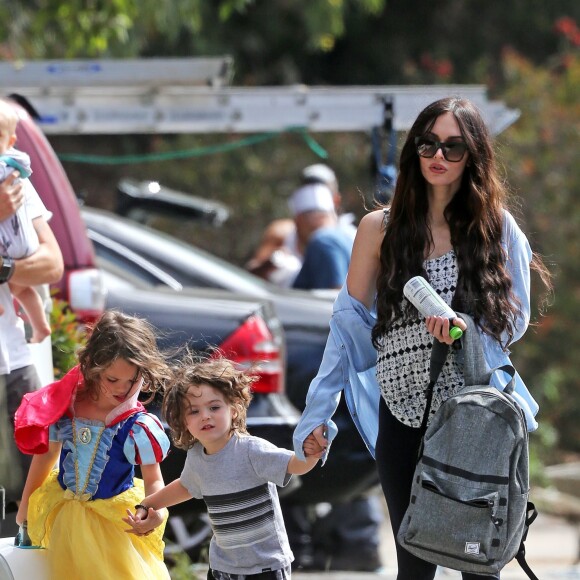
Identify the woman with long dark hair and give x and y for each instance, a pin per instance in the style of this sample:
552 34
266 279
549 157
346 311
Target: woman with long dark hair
447 222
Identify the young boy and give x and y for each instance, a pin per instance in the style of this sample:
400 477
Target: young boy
18 238
235 473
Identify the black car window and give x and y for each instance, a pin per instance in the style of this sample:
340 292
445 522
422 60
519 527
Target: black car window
133 264
189 265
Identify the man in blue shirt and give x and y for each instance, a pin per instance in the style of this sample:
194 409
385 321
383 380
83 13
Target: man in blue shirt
327 246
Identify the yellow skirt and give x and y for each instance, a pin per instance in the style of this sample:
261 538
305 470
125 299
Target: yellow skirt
87 539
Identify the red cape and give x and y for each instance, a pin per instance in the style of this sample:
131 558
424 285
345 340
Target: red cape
40 409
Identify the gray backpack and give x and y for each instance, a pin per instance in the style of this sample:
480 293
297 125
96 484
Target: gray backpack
469 507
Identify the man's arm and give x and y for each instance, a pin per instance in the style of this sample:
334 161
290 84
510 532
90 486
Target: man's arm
46 265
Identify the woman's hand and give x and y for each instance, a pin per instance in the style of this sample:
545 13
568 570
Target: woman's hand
439 327
315 441
312 448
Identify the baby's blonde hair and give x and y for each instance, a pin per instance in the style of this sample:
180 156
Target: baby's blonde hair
8 117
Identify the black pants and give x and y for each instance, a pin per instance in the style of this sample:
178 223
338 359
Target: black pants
396 455
17 384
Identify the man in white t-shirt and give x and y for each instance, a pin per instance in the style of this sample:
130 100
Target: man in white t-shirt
17 372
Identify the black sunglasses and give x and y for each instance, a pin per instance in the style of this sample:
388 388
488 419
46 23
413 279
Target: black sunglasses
453 151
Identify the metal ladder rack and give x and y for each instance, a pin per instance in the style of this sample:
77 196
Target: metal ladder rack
190 96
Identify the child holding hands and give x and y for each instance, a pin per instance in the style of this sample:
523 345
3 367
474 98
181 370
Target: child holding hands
92 423
235 473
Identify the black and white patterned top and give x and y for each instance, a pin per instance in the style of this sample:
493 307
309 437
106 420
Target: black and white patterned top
404 353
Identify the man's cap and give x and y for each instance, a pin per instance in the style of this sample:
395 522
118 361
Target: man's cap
311 197
320 173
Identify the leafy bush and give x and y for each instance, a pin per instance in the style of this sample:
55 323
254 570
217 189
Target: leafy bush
67 337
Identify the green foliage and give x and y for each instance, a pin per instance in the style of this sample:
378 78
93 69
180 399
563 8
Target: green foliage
227 9
542 445
526 52
181 567
541 155
72 29
308 41
67 336
97 28
123 28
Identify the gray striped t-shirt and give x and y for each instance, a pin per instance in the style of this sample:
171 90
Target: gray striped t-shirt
238 485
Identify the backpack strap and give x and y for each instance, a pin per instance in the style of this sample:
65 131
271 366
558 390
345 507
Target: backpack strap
439 352
475 369
511 371
531 515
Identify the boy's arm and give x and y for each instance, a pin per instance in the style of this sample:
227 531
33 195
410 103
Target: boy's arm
169 495
40 467
313 451
142 522
297 467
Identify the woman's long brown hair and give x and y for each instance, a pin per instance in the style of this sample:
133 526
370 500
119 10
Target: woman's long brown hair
475 217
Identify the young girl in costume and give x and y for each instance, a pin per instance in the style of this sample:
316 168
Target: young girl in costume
92 423
235 473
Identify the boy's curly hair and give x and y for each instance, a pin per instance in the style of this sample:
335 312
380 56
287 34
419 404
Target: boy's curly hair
219 373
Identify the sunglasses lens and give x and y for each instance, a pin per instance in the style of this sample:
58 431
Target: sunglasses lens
454 151
426 147
451 151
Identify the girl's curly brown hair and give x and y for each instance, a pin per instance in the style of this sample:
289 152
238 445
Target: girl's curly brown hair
118 336
219 373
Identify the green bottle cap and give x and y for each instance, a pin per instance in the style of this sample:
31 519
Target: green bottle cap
455 332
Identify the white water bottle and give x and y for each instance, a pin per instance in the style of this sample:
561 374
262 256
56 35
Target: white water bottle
424 298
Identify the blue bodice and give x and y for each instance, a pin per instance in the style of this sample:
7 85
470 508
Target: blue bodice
98 461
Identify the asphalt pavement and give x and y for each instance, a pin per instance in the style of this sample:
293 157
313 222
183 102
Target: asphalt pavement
552 549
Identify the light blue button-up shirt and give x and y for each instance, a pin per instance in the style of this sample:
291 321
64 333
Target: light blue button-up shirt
348 363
